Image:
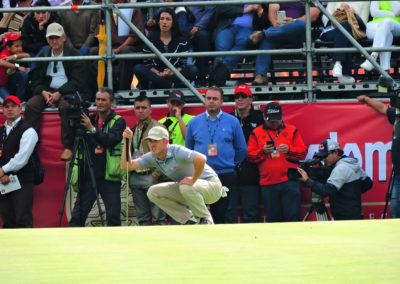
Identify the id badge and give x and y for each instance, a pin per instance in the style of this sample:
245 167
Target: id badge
99 150
275 153
212 149
1 153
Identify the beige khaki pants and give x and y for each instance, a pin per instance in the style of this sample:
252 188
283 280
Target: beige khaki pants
172 198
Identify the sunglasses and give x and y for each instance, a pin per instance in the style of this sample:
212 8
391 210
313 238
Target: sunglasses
241 95
53 37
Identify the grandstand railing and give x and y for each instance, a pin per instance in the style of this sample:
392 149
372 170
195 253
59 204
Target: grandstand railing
307 91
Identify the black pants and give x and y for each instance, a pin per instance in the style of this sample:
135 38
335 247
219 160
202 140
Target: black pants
218 209
16 207
110 193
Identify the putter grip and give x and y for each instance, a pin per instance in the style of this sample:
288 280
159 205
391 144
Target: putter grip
127 149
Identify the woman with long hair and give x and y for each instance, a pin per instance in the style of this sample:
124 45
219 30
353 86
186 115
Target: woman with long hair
167 39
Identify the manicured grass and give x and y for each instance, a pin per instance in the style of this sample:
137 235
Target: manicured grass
312 252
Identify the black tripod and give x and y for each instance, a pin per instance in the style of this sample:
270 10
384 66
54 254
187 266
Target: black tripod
81 148
388 194
317 205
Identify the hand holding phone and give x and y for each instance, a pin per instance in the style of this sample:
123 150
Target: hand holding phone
281 15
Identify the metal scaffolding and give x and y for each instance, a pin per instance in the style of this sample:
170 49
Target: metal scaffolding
308 50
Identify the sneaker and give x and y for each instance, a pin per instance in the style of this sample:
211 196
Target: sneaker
66 155
367 66
337 70
256 37
205 221
260 80
345 79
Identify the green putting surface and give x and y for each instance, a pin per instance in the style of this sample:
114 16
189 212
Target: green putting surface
314 252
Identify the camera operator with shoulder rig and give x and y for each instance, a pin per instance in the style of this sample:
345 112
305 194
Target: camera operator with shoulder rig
103 135
345 184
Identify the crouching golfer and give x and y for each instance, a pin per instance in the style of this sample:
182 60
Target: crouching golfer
195 183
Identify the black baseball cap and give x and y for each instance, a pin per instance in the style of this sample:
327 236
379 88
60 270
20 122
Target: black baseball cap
273 112
176 95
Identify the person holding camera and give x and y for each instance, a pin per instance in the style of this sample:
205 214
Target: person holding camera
103 135
269 145
53 82
390 112
345 185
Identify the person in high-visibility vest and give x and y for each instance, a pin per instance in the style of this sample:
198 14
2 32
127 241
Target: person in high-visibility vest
384 26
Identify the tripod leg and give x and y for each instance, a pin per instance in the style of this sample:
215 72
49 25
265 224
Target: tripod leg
388 194
92 178
309 211
68 182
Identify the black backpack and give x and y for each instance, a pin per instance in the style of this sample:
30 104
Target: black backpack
38 168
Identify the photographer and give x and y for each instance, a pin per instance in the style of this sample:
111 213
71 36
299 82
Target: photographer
345 184
103 135
390 112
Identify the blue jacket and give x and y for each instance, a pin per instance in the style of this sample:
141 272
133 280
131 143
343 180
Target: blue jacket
202 14
227 134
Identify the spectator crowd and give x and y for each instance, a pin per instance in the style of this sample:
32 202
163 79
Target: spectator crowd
179 164
184 29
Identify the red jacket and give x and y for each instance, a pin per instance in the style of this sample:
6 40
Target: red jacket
274 170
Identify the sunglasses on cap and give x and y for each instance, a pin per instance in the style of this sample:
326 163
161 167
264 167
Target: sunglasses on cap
240 95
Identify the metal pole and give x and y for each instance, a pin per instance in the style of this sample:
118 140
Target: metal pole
350 38
158 53
310 96
109 51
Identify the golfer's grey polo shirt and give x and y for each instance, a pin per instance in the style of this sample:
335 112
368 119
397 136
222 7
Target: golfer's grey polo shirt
177 165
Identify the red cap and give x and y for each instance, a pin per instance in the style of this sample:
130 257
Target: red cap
14 99
10 36
243 89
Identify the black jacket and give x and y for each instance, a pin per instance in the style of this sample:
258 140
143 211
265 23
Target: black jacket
34 39
75 71
247 173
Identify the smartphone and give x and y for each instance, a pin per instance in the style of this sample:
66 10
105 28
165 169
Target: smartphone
281 15
270 142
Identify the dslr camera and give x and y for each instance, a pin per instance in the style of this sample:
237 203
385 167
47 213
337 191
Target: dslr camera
319 173
389 88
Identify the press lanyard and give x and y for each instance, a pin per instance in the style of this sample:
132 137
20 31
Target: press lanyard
215 129
276 137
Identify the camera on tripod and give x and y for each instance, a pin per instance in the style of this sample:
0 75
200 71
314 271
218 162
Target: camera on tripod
78 107
320 173
390 88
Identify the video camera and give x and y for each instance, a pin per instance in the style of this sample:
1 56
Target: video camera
320 173
78 107
390 88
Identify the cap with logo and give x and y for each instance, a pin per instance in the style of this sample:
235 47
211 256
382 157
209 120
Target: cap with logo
327 146
176 95
273 112
10 36
13 99
55 29
244 89
158 133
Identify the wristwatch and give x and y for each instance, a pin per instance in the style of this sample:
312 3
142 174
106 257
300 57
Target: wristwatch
16 66
93 130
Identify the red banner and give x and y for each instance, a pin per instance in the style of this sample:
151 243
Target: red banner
360 131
